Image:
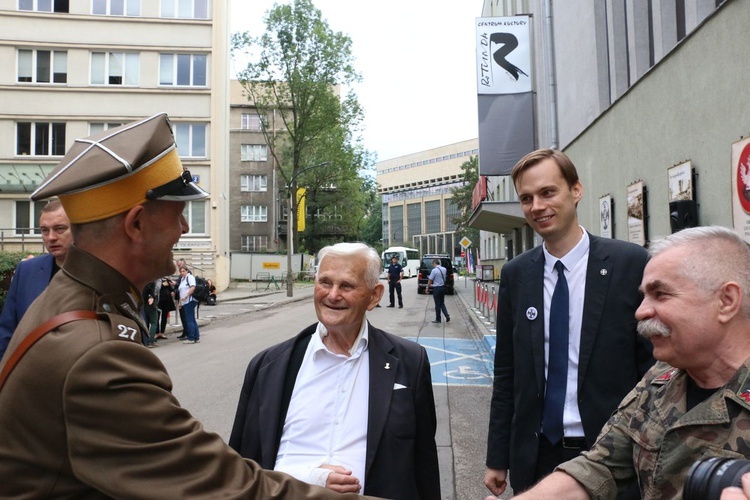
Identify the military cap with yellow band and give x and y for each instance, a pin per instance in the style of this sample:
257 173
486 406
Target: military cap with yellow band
113 171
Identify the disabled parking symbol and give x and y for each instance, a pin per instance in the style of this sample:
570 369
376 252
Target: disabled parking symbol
457 361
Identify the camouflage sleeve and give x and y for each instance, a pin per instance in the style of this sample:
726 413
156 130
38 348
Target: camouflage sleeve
608 466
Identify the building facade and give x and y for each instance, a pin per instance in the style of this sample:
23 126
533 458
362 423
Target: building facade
643 96
255 213
75 67
416 194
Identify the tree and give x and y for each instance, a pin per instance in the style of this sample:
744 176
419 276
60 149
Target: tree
372 224
463 200
294 75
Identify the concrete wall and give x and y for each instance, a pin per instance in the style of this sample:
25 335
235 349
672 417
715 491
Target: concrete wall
691 106
246 266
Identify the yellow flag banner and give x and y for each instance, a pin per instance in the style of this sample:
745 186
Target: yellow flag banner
301 209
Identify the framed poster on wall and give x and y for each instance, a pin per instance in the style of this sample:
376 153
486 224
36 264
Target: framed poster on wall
681 181
637 213
740 175
606 217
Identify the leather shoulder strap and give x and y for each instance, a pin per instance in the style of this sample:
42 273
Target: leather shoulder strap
39 332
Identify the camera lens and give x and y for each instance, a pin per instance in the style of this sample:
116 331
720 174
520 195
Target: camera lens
707 478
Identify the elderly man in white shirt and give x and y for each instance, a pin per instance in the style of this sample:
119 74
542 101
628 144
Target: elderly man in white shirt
343 404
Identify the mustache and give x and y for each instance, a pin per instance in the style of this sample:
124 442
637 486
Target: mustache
651 327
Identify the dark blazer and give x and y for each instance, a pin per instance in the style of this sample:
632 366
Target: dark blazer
401 460
29 281
613 357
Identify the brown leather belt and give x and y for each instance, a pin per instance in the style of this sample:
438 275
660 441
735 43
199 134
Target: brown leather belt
36 334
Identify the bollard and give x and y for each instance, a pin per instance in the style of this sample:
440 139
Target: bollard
493 308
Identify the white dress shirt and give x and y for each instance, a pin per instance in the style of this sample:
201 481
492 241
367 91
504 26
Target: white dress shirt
327 418
576 263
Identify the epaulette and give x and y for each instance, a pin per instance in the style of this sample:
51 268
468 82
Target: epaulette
122 327
665 377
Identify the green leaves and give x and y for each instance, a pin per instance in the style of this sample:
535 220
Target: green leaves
462 198
295 75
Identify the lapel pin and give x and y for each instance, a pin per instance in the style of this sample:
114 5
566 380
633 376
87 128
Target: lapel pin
603 272
387 366
531 313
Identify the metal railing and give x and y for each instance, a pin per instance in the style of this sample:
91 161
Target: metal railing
485 303
15 240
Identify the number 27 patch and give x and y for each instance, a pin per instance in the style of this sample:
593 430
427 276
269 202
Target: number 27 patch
126 332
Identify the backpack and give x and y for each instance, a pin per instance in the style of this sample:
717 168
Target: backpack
201 289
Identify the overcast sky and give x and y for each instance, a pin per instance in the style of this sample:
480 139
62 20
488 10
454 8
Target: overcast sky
417 62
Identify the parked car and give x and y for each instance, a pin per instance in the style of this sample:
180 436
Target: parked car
425 268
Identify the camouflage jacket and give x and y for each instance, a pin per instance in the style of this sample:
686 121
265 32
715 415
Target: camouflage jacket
650 437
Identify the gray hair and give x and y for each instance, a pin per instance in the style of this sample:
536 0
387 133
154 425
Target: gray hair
96 232
716 255
372 269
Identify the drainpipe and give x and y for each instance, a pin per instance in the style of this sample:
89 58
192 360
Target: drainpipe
551 79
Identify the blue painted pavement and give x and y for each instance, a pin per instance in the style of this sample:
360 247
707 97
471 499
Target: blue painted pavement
458 361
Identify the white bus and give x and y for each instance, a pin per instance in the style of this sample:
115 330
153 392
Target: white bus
407 257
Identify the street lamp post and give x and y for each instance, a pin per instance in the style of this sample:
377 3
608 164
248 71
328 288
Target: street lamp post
290 227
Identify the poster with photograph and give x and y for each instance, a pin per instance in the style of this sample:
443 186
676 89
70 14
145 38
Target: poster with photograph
681 181
740 175
605 217
636 214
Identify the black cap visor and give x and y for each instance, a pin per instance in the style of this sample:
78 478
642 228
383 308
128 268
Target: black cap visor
181 189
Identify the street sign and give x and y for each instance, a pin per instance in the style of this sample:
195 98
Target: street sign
463 254
465 243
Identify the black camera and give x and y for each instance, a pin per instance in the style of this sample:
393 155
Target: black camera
709 476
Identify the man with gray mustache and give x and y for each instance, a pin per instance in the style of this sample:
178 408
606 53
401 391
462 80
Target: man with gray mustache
695 402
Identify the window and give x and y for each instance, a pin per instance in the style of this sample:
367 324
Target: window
254 152
114 68
195 215
432 216
43 66
414 218
451 212
254 243
254 213
191 139
26 212
251 121
185 9
44 5
40 139
96 127
116 8
182 69
254 183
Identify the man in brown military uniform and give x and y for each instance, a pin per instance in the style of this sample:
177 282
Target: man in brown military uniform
87 410
695 402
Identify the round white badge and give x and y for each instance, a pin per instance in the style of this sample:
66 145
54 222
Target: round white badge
531 313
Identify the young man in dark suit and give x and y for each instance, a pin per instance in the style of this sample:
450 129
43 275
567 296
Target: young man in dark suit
343 394
566 355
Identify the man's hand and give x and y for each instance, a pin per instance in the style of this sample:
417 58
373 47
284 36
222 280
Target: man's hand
735 493
495 480
341 479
